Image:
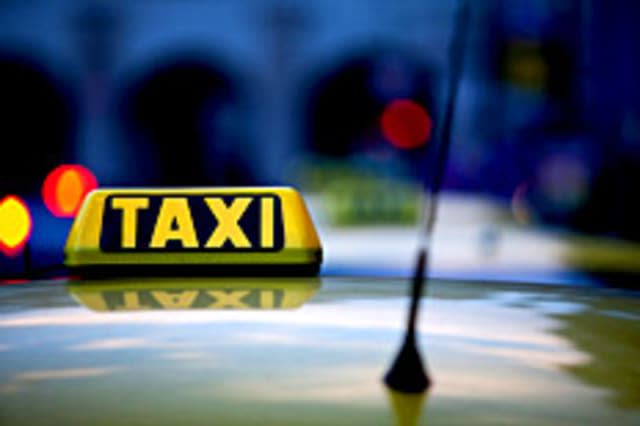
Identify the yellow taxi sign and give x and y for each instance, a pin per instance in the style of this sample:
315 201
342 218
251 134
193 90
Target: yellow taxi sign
150 294
248 231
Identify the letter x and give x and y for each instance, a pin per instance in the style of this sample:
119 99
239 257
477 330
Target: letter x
228 217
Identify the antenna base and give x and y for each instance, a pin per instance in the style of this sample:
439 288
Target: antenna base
407 374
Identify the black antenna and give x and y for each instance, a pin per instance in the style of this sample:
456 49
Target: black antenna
407 373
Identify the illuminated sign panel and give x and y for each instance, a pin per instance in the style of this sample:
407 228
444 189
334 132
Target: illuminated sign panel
175 223
123 231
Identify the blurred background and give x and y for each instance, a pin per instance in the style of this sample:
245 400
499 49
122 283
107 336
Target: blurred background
342 99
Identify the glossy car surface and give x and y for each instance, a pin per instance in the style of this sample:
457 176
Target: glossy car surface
497 353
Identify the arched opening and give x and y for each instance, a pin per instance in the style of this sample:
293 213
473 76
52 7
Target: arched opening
186 121
37 123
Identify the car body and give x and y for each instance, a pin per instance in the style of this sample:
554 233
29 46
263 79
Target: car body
107 352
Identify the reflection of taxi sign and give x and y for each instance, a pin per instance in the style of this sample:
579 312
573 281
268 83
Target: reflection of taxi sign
122 231
146 294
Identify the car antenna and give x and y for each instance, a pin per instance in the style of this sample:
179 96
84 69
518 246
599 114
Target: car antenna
407 373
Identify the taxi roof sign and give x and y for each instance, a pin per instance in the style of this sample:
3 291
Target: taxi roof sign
194 231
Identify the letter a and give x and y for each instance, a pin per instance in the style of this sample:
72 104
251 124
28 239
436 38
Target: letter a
174 209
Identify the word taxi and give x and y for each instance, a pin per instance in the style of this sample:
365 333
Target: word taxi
193 222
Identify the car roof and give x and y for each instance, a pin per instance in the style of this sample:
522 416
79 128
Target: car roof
497 353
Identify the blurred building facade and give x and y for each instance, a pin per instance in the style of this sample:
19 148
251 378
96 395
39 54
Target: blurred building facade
236 92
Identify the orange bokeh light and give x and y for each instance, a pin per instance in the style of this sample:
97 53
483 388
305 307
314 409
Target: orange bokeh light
15 225
65 187
406 124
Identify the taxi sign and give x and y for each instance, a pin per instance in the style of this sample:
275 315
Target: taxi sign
151 294
247 231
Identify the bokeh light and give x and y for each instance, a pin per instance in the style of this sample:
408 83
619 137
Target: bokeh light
520 208
563 181
65 187
15 225
406 124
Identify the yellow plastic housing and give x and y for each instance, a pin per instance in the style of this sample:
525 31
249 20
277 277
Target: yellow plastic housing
210 231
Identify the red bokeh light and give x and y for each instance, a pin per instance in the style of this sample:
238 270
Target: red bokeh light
14 281
406 124
65 187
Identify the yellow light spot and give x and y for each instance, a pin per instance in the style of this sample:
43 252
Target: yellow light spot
15 224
